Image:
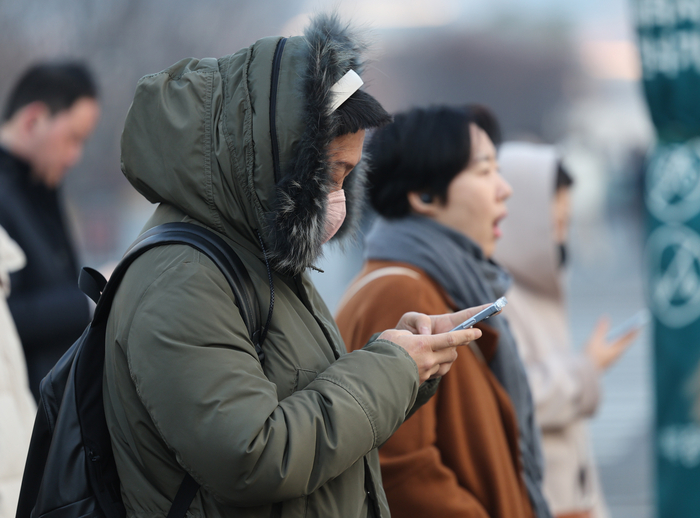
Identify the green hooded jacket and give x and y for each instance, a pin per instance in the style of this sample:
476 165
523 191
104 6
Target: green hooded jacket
238 145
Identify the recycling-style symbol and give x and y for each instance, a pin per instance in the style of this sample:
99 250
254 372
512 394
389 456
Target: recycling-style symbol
673 256
673 181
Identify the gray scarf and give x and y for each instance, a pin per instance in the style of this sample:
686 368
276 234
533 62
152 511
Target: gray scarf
458 265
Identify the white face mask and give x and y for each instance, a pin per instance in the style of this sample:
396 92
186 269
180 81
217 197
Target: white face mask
335 213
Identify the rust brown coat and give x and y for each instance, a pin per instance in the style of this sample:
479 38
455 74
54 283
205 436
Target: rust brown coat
457 456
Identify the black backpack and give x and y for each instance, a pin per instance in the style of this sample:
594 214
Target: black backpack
70 470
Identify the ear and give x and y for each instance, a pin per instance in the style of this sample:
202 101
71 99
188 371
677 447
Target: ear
419 204
32 116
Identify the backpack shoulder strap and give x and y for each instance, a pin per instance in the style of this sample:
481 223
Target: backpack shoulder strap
183 499
208 243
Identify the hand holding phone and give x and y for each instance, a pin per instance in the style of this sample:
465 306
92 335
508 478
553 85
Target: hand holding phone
604 348
635 323
483 314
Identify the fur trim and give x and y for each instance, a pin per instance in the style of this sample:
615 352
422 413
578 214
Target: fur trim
297 223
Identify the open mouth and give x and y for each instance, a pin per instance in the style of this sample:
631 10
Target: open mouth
497 232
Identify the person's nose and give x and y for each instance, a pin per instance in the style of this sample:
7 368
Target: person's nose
504 189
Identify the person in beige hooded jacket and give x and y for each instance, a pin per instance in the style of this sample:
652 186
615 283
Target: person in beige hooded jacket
17 406
565 383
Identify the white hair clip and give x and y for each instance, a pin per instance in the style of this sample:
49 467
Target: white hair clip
344 88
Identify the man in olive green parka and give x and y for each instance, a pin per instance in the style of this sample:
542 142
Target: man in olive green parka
249 146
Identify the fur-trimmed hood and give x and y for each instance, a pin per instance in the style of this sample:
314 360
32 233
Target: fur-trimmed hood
239 143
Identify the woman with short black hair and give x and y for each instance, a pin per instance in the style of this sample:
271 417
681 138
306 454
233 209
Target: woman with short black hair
473 450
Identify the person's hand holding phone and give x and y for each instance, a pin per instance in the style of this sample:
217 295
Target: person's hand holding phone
428 340
604 351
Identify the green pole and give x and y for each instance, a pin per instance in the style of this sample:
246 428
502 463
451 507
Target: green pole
669 44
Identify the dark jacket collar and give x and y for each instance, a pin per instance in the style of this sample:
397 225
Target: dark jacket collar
19 172
12 164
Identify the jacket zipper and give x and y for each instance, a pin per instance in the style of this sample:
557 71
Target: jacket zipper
276 64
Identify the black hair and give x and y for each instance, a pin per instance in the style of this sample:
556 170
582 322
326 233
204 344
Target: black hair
57 85
564 179
361 111
486 120
422 151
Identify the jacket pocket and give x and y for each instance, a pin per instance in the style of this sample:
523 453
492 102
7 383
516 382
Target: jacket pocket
303 378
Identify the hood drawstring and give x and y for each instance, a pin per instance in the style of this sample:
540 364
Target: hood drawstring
263 334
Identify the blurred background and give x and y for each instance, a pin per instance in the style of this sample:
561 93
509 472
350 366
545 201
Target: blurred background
565 73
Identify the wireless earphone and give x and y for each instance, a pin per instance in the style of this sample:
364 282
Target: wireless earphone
426 197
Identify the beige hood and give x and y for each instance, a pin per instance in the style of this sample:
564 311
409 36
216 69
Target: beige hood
527 248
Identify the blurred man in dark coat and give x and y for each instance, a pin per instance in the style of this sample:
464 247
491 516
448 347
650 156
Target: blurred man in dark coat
50 113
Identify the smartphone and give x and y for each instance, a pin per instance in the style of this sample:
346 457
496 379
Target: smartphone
483 314
634 323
